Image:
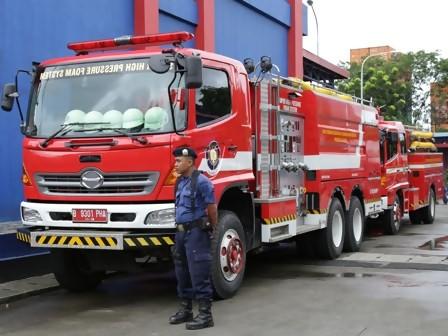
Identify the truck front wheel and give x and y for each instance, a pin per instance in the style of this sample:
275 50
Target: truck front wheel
72 271
229 255
392 218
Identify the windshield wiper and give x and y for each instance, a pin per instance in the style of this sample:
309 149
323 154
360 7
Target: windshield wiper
137 138
64 129
68 128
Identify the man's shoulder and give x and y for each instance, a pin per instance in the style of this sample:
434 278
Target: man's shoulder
203 179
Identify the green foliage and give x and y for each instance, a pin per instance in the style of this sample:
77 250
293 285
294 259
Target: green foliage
399 85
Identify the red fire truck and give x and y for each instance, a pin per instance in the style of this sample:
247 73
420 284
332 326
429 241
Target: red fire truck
286 159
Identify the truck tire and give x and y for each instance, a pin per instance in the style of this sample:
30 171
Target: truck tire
354 228
306 245
72 271
428 213
392 218
229 255
415 216
330 240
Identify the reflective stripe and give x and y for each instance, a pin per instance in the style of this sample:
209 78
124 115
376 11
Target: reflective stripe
155 241
130 242
396 170
428 165
142 241
332 161
100 241
75 241
62 241
241 161
52 239
168 240
89 241
111 241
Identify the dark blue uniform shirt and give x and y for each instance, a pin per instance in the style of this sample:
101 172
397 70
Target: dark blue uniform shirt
204 196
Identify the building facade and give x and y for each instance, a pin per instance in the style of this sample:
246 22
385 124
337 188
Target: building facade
439 108
357 55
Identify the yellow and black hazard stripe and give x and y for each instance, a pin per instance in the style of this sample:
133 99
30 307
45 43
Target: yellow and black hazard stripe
316 211
277 220
420 204
96 241
24 237
148 241
76 241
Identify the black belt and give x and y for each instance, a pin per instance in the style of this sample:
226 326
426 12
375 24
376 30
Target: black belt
181 227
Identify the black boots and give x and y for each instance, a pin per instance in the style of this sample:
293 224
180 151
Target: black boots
204 319
184 314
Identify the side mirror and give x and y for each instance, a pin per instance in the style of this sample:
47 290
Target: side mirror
193 75
8 96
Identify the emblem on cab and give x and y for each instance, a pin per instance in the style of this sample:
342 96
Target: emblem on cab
91 179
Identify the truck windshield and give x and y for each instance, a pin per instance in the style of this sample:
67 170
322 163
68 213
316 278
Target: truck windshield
100 97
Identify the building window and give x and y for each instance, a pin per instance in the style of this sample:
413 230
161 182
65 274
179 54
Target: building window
213 98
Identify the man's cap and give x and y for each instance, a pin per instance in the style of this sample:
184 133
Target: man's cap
185 151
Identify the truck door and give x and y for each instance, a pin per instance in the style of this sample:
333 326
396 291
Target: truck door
392 164
219 125
403 158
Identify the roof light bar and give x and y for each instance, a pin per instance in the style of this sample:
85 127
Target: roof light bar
124 42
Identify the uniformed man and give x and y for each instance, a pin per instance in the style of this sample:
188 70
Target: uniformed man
196 216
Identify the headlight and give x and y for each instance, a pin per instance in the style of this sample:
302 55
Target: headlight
161 217
31 215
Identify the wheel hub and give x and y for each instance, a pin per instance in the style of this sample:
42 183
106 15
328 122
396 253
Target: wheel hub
232 255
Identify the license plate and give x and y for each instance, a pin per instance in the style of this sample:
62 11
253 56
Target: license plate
89 216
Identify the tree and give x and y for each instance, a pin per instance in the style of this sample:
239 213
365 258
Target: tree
398 85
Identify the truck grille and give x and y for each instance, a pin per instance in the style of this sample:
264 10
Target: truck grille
112 185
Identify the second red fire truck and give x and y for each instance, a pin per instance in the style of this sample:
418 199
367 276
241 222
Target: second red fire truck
285 159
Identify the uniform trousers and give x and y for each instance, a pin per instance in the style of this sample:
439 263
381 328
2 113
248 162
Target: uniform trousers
192 264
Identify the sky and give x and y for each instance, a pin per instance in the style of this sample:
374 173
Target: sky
405 25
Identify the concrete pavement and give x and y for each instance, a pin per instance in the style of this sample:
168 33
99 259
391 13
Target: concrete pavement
19 289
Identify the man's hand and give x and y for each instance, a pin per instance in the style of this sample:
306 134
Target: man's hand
212 212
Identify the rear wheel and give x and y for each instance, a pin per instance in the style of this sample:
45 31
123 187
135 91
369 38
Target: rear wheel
306 245
428 213
415 216
392 218
73 272
331 239
229 255
354 230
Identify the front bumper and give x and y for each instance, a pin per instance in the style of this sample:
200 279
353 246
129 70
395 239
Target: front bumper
60 215
95 240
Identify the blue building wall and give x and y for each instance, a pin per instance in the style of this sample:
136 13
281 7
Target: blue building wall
241 31
34 30
173 17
